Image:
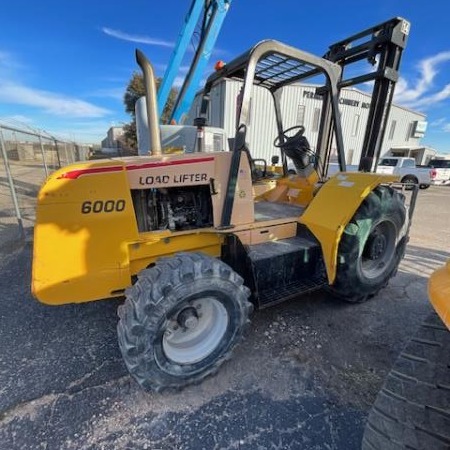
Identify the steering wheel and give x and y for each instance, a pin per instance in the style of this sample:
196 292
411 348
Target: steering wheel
277 142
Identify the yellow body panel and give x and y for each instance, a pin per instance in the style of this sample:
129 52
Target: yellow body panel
76 257
333 207
86 242
156 245
293 189
261 187
439 293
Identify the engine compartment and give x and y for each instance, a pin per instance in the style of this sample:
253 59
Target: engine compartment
173 208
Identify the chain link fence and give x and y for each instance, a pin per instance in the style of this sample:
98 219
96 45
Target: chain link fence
27 157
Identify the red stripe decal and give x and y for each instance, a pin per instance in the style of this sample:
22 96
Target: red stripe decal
74 174
169 163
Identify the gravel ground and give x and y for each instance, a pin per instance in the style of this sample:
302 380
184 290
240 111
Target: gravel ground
305 376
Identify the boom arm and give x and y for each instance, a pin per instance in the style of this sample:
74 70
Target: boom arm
214 12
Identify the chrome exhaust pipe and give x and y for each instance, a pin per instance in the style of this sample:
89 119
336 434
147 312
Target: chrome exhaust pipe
151 103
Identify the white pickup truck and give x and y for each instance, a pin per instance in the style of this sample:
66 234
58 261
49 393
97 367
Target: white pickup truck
406 169
440 171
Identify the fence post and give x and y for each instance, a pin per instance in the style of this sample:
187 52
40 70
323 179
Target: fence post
57 153
11 186
17 143
43 156
77 152
67 155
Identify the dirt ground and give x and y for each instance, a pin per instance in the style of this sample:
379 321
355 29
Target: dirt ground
304 378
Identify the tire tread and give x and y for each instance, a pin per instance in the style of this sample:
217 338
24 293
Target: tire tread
148 302
349 285
412 410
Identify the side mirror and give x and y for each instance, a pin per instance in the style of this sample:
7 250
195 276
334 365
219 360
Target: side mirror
275 160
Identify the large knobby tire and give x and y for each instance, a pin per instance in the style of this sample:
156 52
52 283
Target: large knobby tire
412 410
181 320
371 246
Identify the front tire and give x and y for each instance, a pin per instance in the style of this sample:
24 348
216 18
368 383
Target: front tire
181 320
371 246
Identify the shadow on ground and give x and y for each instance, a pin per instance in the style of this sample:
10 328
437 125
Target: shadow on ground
22 187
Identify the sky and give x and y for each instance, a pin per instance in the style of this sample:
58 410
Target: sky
65 64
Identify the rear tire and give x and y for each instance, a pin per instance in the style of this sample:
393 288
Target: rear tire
181 320
371 246
412 410
409 180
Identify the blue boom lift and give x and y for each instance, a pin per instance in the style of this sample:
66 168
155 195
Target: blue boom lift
209 16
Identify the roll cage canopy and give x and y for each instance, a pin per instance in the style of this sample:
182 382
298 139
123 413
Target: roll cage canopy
274 65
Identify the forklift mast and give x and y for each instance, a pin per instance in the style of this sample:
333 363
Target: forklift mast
210 14
382 46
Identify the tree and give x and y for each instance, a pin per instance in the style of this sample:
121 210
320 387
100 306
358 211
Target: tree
136 89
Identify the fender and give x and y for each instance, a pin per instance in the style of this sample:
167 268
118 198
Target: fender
334 206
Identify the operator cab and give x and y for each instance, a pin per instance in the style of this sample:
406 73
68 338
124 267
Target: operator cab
272 66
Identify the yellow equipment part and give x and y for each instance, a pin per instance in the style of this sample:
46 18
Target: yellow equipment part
333 207
87 245
293 189
71 245
439 292
86 242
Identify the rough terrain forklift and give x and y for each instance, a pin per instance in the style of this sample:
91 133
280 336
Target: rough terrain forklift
192 242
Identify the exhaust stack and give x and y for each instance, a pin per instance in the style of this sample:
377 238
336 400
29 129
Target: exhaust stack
151 103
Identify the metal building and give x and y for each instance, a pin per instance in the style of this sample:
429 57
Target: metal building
302 106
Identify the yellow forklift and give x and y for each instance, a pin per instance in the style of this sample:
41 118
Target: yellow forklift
194 243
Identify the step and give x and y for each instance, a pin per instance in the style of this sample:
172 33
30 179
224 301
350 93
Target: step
286 267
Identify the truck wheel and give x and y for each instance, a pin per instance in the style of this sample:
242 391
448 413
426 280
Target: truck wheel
371 246
181 320
409 180
412 410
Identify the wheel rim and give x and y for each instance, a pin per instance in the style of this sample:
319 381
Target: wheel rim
378 250
195 331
